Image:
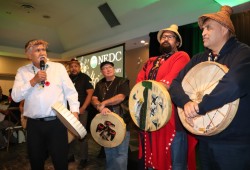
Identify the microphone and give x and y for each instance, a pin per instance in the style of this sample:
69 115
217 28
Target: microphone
42 67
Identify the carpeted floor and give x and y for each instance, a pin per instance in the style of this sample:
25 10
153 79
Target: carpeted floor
16 157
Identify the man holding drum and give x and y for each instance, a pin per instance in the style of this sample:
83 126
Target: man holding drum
165 148
41 84
110 92
229 149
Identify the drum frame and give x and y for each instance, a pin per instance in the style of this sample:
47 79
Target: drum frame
196 89
70 121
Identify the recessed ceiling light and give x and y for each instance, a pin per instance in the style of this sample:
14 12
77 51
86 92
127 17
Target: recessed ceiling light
27 7
142 41
46 16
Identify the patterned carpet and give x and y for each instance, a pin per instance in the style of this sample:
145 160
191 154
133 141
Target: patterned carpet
16 158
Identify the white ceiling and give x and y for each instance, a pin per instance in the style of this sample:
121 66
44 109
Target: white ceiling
77 27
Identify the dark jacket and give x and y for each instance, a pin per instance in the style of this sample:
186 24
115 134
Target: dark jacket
234 85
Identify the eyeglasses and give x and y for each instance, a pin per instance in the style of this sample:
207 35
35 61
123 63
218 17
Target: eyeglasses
169 37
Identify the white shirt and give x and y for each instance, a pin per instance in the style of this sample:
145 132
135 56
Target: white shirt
38 100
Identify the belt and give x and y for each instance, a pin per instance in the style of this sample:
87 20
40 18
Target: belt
46 119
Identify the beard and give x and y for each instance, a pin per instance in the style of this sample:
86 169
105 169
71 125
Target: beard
165 48
74 74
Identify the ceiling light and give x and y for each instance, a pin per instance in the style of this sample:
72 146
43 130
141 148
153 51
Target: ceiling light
142 41
46 16
27 7
231 2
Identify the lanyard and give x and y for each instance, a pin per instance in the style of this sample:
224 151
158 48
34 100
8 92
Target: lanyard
47 83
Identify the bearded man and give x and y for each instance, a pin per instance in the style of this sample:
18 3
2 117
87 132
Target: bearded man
167 147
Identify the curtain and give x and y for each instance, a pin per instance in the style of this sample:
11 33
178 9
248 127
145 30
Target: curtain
191 40
192 35
241 23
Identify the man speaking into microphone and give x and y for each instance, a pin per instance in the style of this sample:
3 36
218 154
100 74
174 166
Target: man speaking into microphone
41 84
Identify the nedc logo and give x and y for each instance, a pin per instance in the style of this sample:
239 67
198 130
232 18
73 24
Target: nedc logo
93 61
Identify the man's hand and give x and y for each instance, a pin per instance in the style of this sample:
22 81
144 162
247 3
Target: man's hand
76 115
81 110
191 110
40 76
105 111
100 107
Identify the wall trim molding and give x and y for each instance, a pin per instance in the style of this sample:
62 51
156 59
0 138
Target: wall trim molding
7 76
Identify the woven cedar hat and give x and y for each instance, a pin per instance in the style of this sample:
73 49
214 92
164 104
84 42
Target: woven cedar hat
173 28
222 17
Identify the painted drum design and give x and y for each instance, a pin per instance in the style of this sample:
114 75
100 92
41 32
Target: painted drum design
150 105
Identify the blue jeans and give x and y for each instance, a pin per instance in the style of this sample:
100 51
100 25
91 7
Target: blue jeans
179 151
117 157
224 156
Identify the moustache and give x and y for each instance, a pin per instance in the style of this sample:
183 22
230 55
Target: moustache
165 48
42 57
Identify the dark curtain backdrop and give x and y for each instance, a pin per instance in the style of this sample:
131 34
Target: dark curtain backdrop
192 39
241 23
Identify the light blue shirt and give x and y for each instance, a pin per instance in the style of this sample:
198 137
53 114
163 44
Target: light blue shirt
38 100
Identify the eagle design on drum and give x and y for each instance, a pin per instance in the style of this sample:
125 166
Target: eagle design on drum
106 132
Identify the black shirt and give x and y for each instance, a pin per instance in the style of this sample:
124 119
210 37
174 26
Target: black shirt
82 83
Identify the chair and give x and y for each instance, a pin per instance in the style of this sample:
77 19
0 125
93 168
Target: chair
16 128
21 134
